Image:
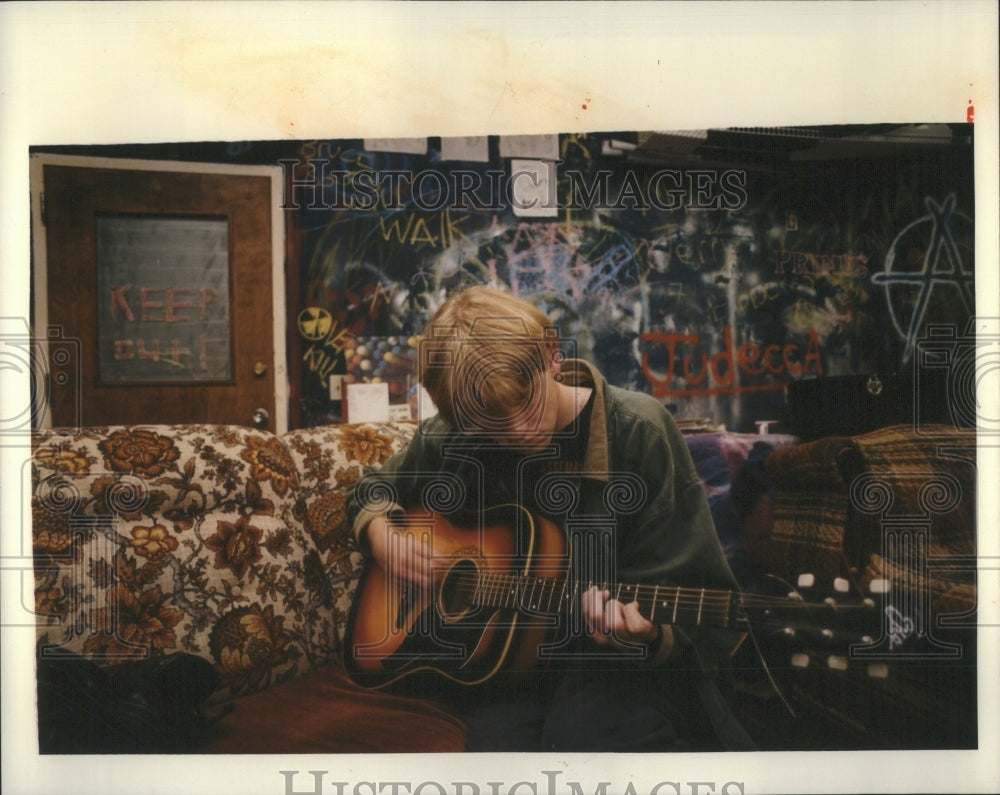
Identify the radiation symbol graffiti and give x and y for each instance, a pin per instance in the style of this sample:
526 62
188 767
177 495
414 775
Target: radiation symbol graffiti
925 271
314 323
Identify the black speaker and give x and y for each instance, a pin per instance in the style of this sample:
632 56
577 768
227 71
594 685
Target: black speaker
847 405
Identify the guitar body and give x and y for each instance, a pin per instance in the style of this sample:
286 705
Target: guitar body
397 630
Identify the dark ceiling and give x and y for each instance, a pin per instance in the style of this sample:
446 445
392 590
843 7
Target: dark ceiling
754 148
774 148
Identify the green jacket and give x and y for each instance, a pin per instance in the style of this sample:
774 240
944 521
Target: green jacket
638 493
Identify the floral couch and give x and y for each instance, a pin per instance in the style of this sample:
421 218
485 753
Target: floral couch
228 543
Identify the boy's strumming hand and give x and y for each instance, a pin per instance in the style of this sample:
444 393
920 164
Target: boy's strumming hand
399 552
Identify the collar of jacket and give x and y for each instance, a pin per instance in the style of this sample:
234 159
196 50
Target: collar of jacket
578 372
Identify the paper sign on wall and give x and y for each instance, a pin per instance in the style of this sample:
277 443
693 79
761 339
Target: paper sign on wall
425 406
543 147
473 148
533 188
366 403
412 146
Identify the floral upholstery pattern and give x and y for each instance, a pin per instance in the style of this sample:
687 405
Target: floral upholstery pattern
331 459
199 538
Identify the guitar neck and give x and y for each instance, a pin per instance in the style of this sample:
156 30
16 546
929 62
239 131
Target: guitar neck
664 604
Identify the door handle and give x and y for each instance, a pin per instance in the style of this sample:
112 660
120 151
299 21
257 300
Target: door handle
260 417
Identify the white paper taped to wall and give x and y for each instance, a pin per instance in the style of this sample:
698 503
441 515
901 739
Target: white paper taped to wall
366 402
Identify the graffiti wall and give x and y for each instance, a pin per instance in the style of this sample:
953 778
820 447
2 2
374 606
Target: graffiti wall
711 287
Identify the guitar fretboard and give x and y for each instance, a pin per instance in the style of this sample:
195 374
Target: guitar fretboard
666 604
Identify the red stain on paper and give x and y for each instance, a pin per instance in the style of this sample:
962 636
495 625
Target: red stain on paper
970 113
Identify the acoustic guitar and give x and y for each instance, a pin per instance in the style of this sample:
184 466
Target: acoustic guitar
502 601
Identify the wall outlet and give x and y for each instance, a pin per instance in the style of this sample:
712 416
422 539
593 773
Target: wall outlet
336 382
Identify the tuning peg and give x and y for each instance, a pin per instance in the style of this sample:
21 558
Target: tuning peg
878 670
837 662
881 586
800 660
840 585
806 580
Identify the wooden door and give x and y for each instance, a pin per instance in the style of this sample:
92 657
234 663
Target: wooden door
163 283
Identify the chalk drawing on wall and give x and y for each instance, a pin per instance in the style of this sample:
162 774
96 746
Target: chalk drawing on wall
925 270
713 309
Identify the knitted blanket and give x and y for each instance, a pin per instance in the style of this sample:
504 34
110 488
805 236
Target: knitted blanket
809 502
888 504
913 511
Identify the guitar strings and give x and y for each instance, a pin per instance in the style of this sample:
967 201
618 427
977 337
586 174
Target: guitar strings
503 589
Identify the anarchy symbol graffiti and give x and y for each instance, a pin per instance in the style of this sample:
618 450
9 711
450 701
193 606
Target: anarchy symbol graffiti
924 258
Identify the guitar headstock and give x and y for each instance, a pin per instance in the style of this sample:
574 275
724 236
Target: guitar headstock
865 611
813 626
860 654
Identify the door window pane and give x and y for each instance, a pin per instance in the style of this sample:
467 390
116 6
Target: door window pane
163 293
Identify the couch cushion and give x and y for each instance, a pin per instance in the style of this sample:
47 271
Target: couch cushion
324 712
153 539
330 459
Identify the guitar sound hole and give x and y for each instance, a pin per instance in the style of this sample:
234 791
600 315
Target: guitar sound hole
457 590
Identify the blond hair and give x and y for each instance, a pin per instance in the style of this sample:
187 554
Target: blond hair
482 356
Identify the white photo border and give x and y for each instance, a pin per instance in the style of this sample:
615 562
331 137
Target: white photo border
103 73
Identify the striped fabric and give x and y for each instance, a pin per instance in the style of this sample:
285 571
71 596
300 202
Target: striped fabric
809 503
894 503
913 504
